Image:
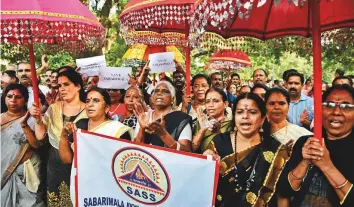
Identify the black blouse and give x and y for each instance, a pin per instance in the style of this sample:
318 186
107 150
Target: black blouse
341 152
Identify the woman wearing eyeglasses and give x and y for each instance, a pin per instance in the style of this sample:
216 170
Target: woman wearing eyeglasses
117 109
322 174
163 126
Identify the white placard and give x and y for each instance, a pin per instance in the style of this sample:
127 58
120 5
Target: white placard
114 77
162 62
92 65
115 172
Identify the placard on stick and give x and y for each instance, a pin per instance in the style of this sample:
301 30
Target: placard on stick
114 77
162 62
92 65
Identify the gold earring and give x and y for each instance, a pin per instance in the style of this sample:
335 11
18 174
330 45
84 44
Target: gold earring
261 129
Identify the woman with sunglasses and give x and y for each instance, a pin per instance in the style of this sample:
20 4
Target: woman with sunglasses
163 126
321 173
117 109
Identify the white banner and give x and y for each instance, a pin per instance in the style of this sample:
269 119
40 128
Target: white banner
92 65
114 78
162 62
112 172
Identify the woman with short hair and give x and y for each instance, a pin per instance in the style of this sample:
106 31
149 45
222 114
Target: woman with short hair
163 126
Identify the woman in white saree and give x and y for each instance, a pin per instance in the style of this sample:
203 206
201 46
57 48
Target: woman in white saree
20 164
97 108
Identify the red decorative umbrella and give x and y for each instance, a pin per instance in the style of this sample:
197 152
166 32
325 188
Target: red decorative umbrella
229 60
52 22
161 16
310 18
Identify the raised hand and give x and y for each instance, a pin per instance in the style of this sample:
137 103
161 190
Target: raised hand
212 153
304 116
324 162
51 97
25 118
132 81
311 150
35 110
44 62
69 128
187 100
158 127
139 112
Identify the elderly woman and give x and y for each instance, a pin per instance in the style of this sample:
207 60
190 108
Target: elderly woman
321 174
71 109
250 157
277 104
20 163
212 123
132 95
163 126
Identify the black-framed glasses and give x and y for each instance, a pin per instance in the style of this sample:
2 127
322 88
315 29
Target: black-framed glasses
342 106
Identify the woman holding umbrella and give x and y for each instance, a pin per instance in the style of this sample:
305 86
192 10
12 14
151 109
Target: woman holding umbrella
321 174
70 109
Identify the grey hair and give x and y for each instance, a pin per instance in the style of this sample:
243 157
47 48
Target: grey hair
169 86
141 94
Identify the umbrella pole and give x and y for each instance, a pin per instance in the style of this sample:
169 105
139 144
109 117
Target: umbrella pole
188 65
317 67
33 74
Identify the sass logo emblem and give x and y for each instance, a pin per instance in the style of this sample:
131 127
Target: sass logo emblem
141 176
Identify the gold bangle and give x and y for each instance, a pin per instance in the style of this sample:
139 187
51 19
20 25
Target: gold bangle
292 185
294 177
341 186
172 145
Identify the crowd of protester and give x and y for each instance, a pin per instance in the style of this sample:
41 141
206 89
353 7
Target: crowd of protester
259 130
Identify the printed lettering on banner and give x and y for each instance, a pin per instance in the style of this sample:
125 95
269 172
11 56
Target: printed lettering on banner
114 172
